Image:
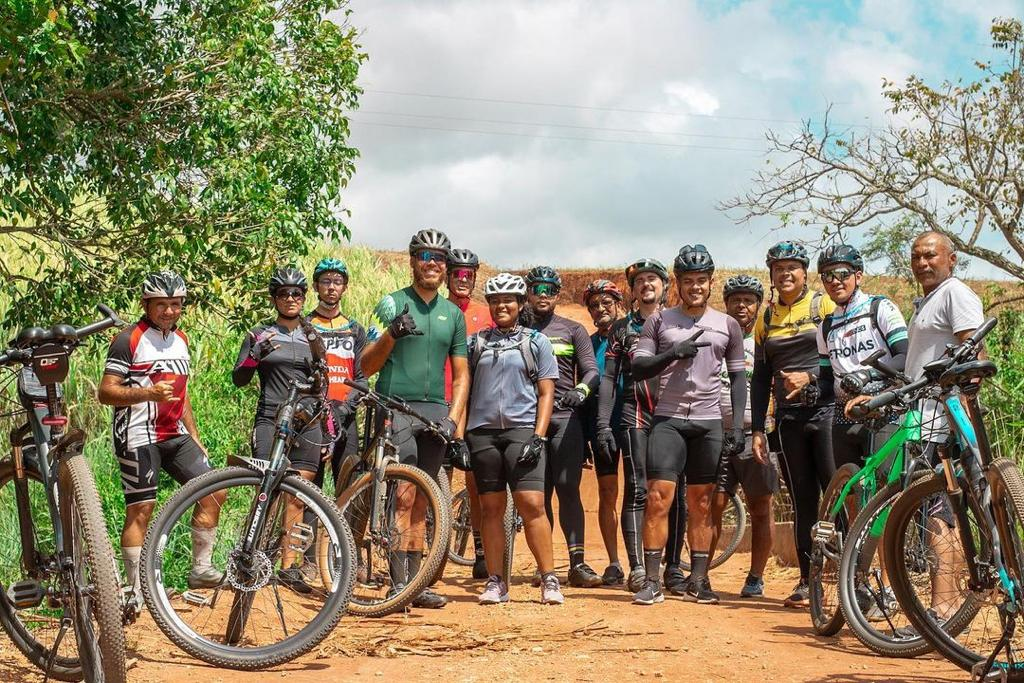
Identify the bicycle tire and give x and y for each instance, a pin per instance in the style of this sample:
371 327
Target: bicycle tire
736 511
223 655
83 522
945 643
509 523
446 501
462 531
438 547
823 581
38 653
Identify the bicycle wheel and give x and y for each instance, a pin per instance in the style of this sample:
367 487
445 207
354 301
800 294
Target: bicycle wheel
94 593
734 525
397 556
461 550
511 531
446 501
33 629
826 615
929 574
255 618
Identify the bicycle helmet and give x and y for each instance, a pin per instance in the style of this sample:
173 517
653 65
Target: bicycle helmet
429 238
646 265
840 253
787 251
462 258
330 264
693 259
601 287
505 283
164 284
743 283
543 274
287 277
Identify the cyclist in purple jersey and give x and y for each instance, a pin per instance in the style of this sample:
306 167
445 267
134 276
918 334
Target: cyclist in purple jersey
687 345
577 378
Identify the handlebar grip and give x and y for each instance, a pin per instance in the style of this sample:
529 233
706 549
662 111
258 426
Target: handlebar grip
111 320
985 328
862 410
15 356
361 387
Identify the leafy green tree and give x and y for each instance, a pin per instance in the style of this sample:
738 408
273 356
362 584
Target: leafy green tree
206 136
955 166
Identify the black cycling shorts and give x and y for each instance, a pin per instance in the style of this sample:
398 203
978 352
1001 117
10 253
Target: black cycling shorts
744 470
605 466
494 456
180 456
855 443
679 447
417 446
307 451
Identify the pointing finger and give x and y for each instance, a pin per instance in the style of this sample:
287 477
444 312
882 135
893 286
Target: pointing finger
700 331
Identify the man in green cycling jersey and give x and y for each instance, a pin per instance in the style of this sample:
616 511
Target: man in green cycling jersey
421 331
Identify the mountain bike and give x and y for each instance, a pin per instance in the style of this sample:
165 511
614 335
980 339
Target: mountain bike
955 536
399 555
61 597
255 618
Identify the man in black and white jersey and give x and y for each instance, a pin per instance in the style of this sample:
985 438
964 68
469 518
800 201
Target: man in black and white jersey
146 380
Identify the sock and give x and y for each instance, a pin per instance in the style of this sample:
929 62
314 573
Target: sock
478 545
202 548
415 558
398 564
698 565
130 554
575 557
652 564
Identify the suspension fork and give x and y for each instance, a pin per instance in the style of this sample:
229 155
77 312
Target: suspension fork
379 470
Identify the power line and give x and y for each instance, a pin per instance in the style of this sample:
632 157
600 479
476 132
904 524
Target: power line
555 137
560 125
562 105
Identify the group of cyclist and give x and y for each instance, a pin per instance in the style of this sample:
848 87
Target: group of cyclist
694 401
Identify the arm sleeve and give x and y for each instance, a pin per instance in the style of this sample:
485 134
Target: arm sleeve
358 344
738 394
760 389
244 367
119 355
585 360
609 384
735 359
646 362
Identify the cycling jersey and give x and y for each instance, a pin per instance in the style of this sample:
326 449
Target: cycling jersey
289 361
691 388
503 394
478 317
634 399
414 370
141 356
748 364
574 353
345 341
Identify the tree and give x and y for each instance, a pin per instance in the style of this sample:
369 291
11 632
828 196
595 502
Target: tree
208 137
956 166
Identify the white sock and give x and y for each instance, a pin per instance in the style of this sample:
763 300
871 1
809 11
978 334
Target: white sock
130 555
202 548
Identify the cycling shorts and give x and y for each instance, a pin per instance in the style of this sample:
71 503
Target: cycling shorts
417 446
744 470
495 453
308 448
681 447
180 456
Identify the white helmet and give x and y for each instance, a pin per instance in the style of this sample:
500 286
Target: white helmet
505 283
164 284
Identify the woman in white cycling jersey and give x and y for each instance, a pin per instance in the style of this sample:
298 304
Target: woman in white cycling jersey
510 404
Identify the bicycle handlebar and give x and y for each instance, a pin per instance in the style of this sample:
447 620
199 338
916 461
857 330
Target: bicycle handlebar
395 404
110 319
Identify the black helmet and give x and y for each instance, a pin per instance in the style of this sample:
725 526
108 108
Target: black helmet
840 253
429 238
743 283
645 265
693 259
543 274
787 251
165 284
287 277
462 258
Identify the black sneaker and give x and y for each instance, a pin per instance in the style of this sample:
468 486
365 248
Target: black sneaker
676 582
753 587
650 594
613 576
582 576
637 577
292 578
700 592
480 569
428 599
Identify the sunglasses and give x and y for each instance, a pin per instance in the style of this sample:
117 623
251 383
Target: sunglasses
463 273
290 293
837 275
595 303
544 289
328 281
428 256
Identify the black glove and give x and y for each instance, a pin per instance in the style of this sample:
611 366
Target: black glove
688 347
734 442
447 428
260 348
605 442
809 394
532 450
571 399
855 383
458 455
403 325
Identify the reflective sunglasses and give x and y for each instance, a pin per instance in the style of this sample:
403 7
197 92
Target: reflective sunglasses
426 256
463 273
290 293
544 289
837 275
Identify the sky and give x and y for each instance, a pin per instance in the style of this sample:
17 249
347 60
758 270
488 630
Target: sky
588 133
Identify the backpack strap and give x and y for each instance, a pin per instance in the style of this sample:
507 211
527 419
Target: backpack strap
876 303
476 349
816 308
826 326
529 356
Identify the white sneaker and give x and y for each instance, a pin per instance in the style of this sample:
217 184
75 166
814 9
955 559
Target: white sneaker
551 591
495 592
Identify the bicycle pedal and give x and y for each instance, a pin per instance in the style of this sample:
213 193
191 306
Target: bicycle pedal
823 532
303 537
26 594
996 673
196 598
